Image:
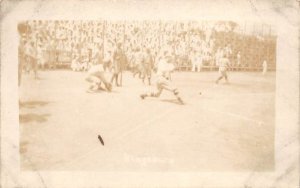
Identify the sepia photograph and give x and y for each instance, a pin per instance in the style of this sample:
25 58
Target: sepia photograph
162 95
150 94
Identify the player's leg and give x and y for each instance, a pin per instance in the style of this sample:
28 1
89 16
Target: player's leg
156 93
103 79
167 85
220 77
225 76
151 94
140 71
193 67
94 83
113 75
176 93
117 76
198 67
264 70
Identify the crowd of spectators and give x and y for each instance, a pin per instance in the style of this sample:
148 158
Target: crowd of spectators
75 43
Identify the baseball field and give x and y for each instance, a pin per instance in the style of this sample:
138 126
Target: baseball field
224 127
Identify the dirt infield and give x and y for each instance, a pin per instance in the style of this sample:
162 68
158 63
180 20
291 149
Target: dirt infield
230 127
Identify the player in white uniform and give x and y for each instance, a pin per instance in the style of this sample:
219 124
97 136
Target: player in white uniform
265 67
196 61
164 69
96 76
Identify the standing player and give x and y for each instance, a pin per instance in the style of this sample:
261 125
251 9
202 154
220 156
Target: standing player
147 66
164 69
218 56
238 60
265 67
118 58
223 64
196 61
138 62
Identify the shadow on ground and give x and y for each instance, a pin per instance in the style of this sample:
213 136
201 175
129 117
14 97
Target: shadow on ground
32 104
174 101
31 117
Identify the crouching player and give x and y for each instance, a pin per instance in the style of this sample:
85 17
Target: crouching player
96 76
164 69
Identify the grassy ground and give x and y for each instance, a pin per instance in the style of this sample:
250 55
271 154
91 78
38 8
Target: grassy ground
227 128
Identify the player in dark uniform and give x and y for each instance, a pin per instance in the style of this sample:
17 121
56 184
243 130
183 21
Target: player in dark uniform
138 63
118 58
147 66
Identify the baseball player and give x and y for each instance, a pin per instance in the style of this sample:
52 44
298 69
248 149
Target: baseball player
147 65
118 58
196 61
138 62
164 69
265 67
223 64
96 76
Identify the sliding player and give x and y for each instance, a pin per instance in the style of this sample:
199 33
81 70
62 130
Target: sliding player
164 69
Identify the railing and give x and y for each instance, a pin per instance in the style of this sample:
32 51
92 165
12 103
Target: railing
63 59
232 68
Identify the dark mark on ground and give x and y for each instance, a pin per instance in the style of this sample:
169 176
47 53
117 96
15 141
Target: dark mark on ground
101 140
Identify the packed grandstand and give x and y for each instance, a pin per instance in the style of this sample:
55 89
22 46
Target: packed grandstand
73 44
